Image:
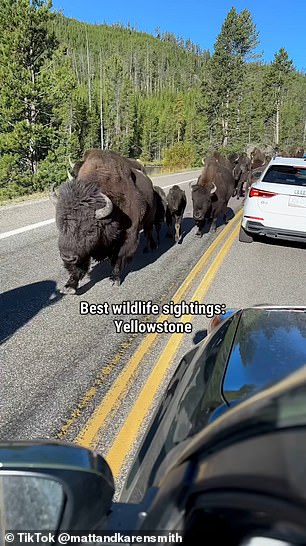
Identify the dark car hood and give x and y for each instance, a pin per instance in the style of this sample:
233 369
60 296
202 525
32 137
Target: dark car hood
269 344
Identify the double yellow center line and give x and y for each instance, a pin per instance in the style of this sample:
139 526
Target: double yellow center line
88 437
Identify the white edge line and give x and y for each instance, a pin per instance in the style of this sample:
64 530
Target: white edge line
52 220
174 174
178 183
26 228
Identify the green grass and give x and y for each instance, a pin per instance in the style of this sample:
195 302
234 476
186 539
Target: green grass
29 197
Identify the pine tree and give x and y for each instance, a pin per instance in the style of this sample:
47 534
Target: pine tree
224 85
35 75
277 80
66 86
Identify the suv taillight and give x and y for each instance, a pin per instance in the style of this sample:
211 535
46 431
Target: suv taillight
254 192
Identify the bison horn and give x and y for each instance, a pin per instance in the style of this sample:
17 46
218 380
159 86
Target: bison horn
193 183
214 189
106 210
203 162
70 177
70 163
52 194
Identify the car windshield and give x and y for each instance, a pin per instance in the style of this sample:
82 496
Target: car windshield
269 344
286 174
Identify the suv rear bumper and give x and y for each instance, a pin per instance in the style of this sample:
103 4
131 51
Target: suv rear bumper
257 228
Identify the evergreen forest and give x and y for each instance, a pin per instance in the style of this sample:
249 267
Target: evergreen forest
66 86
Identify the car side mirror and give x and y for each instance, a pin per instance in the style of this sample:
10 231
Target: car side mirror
45 485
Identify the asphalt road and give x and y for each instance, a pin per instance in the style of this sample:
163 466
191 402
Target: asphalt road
50 354
58 366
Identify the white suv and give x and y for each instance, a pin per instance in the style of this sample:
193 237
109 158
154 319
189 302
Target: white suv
276 203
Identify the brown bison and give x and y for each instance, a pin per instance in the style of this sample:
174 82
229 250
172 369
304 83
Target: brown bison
241 173
100 213
176 204
134 163
297 152
212 192
258 158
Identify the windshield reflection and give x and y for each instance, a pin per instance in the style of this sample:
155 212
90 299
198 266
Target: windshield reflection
268 346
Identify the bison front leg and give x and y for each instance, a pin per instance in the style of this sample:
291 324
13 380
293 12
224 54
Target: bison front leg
77 273
169 222
177 230
224 212
124 256
170 232
241 183
157 229
214 222
200 226
150 239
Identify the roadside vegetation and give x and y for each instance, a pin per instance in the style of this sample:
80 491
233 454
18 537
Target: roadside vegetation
66 86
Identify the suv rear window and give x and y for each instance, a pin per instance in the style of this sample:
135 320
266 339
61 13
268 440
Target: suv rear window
286 174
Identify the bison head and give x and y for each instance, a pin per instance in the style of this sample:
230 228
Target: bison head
202 200
299 152
82 215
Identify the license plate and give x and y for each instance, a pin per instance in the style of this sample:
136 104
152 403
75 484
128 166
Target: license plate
295 201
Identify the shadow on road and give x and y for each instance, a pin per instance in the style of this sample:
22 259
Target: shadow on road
21 304
102 270
279 242
220 222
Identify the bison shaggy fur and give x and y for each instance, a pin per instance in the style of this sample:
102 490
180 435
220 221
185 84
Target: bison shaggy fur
100 213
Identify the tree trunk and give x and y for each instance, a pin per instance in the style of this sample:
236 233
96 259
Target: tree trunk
148 72
225 137
75 65
117 122
88 73
277 117
101 106
31 120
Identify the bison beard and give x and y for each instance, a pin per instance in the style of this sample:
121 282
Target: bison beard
82 235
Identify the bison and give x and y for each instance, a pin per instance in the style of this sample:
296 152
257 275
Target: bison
134 163
241 173
297 152
258 158
211 193
160 209
176 204
100 213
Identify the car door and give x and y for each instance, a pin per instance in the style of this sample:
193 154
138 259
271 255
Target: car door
191 397
285 206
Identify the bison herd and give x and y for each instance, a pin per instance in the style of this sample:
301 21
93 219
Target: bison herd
109 199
